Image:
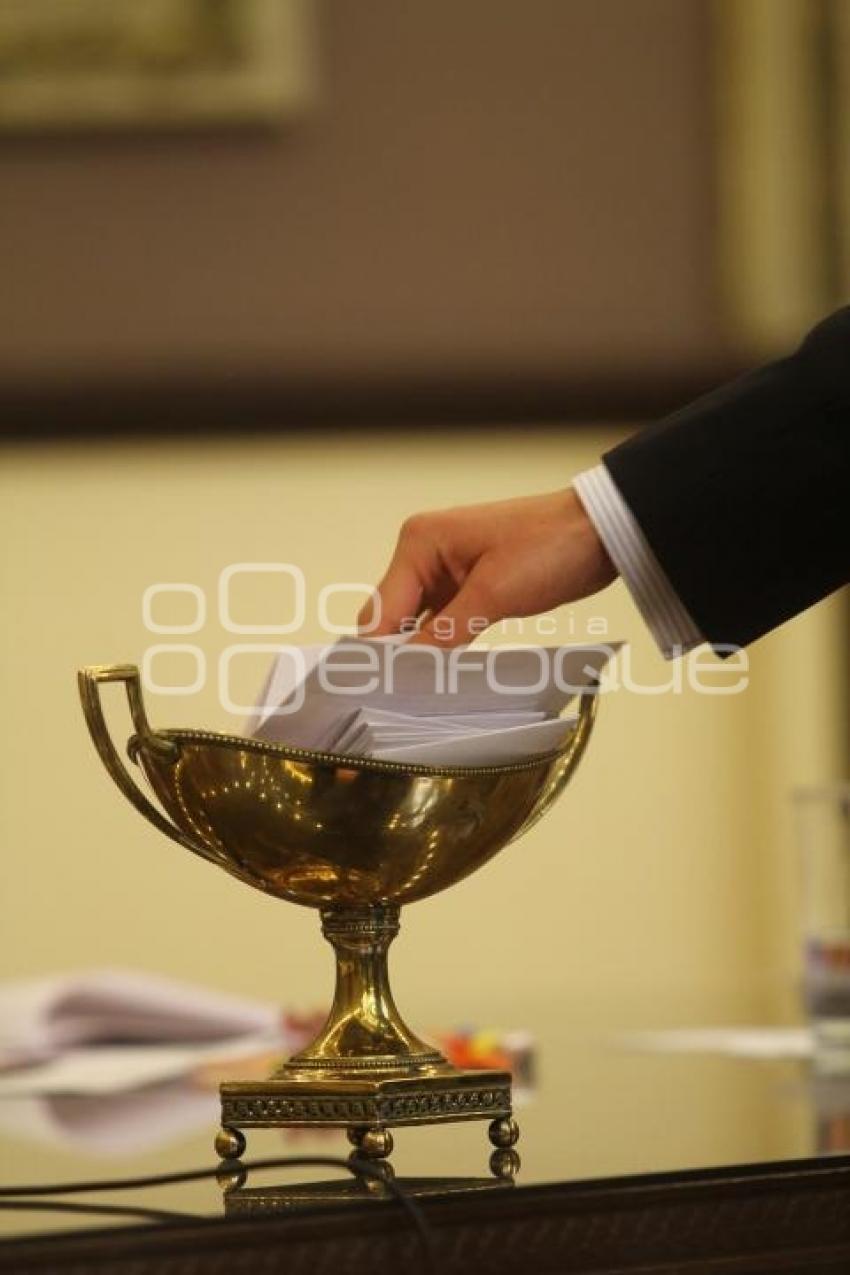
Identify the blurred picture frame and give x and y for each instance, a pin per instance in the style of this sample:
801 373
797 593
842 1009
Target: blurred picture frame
152 64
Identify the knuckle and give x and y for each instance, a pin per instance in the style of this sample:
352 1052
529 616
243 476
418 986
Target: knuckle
415 526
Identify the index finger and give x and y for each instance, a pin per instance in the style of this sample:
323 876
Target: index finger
398 597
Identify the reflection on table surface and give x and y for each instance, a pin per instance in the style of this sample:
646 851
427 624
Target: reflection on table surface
600 1109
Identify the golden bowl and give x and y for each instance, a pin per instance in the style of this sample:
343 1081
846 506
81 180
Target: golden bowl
323 829
353 837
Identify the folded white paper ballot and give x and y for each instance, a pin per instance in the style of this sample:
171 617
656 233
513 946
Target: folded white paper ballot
378 697
112 1069
485 747
41 1018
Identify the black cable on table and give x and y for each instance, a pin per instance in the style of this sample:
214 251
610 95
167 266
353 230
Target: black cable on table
111 1210
27 1195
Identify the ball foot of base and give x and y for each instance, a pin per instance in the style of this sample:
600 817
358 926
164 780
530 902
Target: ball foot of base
229 1143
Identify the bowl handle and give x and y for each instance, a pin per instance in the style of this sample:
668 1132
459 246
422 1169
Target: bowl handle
90 680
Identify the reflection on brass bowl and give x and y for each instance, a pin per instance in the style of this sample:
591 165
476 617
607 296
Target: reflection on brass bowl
355 838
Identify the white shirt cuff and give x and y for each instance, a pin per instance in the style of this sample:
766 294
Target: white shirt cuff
653 594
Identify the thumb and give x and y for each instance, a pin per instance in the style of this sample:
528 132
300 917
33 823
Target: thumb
397 598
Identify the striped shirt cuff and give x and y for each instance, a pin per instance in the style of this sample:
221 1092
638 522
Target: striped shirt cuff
653 594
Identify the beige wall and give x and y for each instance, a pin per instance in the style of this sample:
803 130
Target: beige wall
666 865
660 890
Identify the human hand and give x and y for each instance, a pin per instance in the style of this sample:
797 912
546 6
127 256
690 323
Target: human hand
472 566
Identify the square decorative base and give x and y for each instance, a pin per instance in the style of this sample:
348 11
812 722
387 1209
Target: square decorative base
374 1102
367 1106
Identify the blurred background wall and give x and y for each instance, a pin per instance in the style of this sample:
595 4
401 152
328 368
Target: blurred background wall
509 213
498 202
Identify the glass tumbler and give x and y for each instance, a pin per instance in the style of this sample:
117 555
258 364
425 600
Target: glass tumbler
823 831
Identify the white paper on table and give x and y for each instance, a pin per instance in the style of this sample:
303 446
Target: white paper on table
109 1069
737 1042
41 1017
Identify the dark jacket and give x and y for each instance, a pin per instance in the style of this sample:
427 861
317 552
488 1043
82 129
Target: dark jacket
744 495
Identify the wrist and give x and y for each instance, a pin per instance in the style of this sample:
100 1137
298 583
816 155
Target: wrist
598 568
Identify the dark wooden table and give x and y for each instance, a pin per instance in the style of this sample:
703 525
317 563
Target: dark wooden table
789 1217
632 1161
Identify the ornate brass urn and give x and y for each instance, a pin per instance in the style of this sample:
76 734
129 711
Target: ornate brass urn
356 839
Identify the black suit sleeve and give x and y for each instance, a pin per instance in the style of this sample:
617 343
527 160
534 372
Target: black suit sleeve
744 496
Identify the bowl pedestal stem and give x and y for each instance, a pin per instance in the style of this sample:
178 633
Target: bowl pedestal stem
364 1030
366 1071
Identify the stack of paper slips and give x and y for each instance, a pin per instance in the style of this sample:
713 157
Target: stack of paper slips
382 698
